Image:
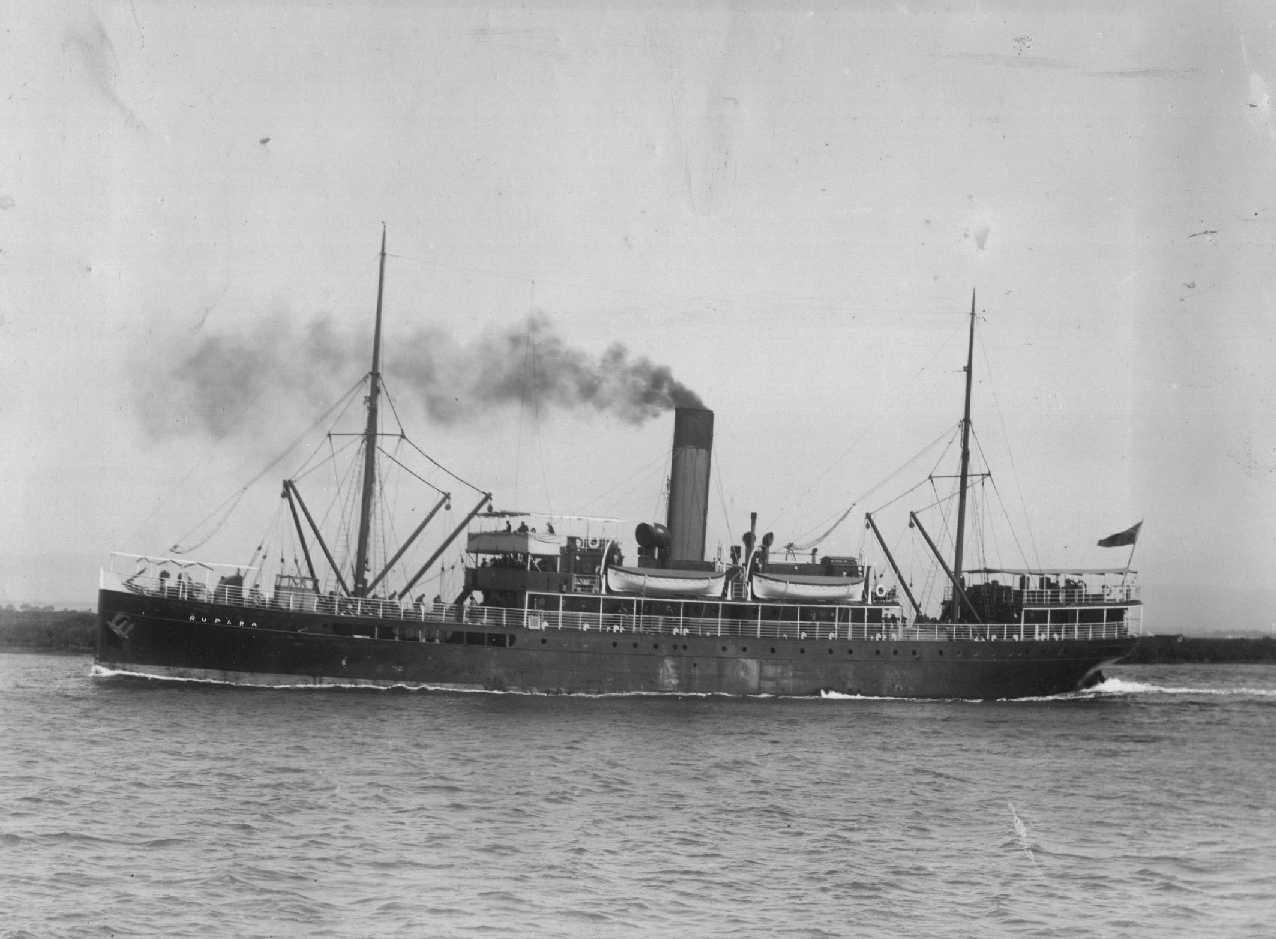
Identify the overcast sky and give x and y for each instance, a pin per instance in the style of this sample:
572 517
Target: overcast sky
787 208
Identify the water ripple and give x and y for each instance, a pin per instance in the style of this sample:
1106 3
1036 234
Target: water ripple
1140 807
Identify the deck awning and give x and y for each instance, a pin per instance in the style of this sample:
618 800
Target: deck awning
514 542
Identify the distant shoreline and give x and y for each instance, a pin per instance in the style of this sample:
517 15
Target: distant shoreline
71 631
47 630
1164 650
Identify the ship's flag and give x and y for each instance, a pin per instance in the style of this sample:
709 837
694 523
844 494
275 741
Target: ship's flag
1129 536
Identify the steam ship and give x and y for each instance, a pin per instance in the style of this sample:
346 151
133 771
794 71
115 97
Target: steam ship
561 612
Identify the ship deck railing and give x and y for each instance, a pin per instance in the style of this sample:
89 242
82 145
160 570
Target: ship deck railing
631 624
1108 595
494 617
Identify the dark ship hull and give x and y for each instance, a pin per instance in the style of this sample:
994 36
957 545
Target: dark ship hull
181 639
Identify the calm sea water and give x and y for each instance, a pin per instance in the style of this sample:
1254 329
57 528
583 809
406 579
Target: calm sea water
1144 808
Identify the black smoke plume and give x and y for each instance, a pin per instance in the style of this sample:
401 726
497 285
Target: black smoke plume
245 382
534 367
229 384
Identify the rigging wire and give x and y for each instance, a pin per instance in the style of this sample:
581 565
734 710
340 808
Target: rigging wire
354 466
945 506
722 500
463 482
1014 534
938 502
385 390
330 459
975 518
262 550
537 436
903 495
522 411
386 528
229 505
807 544
348 490
925 366
407 469
987 531
349 400
815 542
1014 472
659 458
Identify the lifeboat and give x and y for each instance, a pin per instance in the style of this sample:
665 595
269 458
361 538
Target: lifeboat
659 582
806 588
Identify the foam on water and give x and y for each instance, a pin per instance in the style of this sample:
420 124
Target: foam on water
839 696
1021 832
1123 686
102 672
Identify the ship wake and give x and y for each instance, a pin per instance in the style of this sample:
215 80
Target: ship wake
1125 687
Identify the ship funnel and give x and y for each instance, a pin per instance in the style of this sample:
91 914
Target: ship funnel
689 483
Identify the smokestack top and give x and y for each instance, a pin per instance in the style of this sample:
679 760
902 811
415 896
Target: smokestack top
693 427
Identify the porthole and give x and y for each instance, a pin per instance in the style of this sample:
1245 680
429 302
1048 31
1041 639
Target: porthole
544 641
877 651
850 651
773 650
830 651
802 651
914 652
635 645
614 644
655 645
744 648
724 649
894 652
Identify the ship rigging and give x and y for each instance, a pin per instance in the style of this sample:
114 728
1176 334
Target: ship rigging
565 611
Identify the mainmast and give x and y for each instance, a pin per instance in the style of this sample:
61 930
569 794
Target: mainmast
965 451
370 443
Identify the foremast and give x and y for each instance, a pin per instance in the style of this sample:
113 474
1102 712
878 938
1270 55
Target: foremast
370 443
